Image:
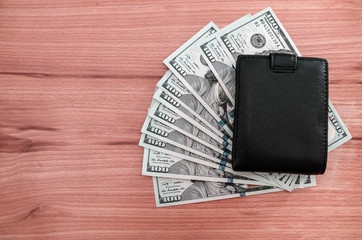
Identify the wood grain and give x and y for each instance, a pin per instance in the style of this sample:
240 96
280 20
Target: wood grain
76 79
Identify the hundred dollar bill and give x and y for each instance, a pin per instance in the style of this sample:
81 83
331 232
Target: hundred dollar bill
154 143
219 62
304 181
259 34
263 175
158 145
174 94
156 129
171 119
286 181
340 133
160 164
273 178
189 66
293 181
171 191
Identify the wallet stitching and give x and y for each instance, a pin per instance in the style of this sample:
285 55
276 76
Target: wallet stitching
236 124
246 129
294 62
236 141
326 117
246 135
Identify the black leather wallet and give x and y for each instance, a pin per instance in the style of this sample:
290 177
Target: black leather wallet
281 110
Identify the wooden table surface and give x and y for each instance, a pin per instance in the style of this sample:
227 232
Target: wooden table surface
76 79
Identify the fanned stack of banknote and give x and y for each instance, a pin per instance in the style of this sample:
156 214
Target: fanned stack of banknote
188 134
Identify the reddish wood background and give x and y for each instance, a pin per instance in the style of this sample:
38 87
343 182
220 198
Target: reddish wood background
76 79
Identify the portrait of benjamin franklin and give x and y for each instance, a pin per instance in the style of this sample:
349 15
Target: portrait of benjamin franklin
210 90
227 74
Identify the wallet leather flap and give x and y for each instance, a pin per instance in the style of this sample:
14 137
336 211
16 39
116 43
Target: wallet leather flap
281 114
283 62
